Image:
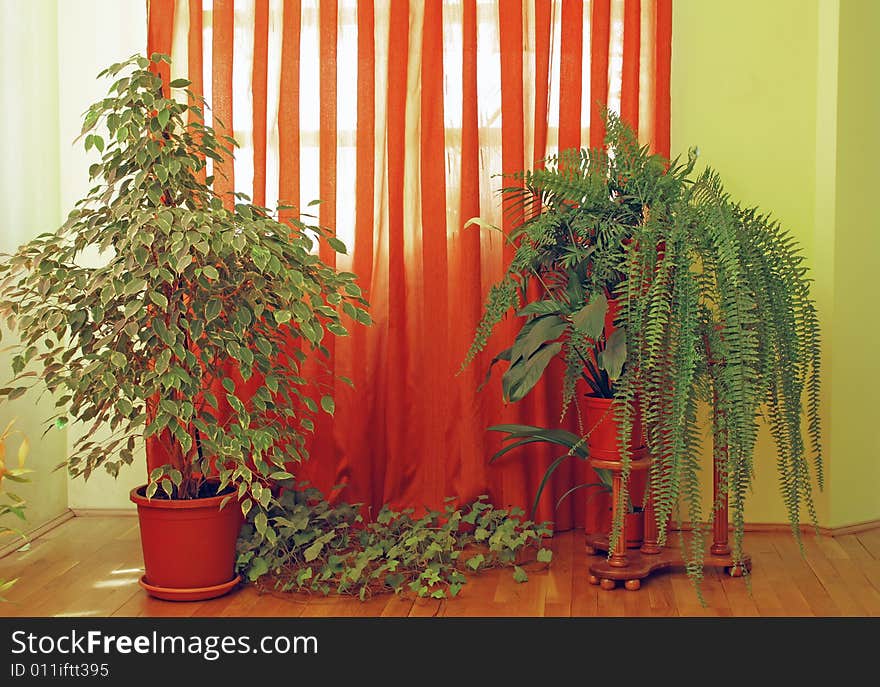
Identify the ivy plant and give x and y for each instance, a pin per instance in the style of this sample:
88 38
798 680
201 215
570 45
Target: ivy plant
326 548
195 324
714 305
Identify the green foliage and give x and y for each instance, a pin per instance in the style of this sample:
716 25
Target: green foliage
190 285
12 504
715 304
522 435
328 548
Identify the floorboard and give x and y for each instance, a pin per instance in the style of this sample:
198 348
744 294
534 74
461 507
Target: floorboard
90 566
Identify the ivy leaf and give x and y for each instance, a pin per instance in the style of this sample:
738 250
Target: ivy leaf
313 551
258 568
476 561
328 404
519 575
545 555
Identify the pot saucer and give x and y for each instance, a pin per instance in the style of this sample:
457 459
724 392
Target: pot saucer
195 594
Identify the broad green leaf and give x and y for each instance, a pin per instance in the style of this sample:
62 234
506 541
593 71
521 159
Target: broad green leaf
540 308
522 377
519 575
328 404
590 320
613 357
536 333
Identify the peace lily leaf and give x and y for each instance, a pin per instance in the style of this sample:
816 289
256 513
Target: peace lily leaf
522 377
613 357
590 320
535 333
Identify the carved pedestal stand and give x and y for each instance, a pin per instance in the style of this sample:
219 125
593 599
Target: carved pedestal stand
634 566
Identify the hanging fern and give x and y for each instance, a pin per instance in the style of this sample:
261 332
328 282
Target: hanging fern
715 305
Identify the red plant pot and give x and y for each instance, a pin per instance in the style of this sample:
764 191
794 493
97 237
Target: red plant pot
635 529
188 545
603 429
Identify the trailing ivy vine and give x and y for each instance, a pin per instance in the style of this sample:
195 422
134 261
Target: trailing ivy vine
327 548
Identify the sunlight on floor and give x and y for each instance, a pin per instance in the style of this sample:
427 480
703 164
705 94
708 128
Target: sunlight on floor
118 582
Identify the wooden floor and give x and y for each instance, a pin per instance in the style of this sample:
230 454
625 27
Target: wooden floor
89 566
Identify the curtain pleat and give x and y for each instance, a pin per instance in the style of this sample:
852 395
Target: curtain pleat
288 109
400 116
222 93
600 34
259 86
662 66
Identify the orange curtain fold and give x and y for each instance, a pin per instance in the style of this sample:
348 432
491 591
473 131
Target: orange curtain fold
663 67
600 32
221 93
449 97
288 109
259 88
159 36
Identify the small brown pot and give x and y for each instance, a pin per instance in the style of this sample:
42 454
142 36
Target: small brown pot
188 545
635 529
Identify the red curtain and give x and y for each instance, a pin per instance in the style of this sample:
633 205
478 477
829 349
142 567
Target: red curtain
398 115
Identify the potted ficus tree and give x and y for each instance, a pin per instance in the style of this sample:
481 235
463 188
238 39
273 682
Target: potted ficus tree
190 334
715 303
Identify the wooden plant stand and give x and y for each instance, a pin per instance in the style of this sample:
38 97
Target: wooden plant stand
634 566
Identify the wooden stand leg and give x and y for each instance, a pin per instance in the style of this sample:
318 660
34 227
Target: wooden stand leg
618 556
650 545
720 544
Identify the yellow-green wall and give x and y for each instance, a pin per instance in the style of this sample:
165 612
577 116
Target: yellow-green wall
30 205
855 368
778 97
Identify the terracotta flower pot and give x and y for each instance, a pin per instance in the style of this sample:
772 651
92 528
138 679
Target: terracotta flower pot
188 545
603 429
635 529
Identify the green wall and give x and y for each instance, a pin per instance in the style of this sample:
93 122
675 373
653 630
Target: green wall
31 205
855 370
777 97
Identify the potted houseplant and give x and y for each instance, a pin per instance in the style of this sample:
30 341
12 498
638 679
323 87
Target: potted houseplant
190 335
715 302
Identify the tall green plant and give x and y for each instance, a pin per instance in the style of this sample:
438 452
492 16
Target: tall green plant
715 304
190 287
